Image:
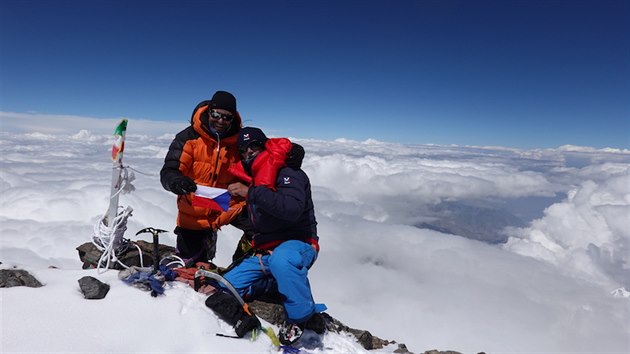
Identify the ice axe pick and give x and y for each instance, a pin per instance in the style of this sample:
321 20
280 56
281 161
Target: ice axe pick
156 245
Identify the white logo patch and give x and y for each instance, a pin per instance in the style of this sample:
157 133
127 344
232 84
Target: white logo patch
245 137
287 180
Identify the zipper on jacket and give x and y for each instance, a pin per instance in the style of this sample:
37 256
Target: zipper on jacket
215 173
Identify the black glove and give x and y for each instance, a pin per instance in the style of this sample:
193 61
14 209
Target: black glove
182 185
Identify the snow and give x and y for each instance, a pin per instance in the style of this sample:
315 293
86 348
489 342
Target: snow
559 284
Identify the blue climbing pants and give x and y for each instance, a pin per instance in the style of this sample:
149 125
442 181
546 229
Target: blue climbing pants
288 265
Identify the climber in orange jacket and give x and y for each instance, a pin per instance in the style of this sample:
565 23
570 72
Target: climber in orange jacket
201 155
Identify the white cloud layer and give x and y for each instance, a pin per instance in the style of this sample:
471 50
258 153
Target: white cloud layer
587 233
547 289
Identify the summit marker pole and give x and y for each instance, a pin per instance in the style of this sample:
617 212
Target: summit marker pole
117 156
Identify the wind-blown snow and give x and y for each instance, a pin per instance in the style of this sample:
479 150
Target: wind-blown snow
547 289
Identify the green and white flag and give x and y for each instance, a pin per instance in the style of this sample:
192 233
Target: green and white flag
119 144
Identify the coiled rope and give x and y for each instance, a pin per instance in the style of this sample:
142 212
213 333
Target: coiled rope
109 238
110 241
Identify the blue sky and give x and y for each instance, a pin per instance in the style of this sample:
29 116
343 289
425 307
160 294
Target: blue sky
508 73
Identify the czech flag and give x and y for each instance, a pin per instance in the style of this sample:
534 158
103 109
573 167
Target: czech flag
213 198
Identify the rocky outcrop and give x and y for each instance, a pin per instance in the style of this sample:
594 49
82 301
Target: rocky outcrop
274 314
17 277
139 253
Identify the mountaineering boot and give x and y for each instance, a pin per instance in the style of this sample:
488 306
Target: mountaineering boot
316 323
245 324
290 333
227 307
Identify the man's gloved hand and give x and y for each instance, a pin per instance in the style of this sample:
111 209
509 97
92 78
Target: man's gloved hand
182 185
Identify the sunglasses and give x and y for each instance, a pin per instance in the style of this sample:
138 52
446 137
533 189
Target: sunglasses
216 115
254 145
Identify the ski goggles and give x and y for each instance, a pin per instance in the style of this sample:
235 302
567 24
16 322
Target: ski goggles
216 115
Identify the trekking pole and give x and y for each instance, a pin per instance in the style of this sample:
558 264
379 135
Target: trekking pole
156 245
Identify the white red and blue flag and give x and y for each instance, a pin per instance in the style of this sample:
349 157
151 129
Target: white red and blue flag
210 197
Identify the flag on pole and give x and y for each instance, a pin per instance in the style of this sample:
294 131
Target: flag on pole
119 144
210 197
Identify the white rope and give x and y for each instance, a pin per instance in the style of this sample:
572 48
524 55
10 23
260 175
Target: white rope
140 172
110 241
109 238
176 263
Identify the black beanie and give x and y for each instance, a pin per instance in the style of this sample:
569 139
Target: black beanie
224 100
249 134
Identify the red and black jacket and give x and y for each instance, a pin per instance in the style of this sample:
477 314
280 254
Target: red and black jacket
279 199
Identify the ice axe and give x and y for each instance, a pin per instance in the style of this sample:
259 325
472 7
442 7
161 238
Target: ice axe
156 245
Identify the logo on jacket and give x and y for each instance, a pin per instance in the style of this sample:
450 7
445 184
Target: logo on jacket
287 180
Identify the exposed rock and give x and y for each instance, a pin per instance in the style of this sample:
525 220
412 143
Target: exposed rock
93 288
17 277
90 255
402 349
274 314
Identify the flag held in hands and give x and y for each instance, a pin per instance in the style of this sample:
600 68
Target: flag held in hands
210 197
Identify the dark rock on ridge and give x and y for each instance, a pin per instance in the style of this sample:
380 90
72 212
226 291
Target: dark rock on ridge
93 288
17 277
274 314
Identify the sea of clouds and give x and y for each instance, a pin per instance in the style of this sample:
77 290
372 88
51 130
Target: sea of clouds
451 247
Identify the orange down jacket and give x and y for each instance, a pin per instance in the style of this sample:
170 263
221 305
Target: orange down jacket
205 156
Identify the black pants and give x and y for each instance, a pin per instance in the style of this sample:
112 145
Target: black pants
201 245
196 245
